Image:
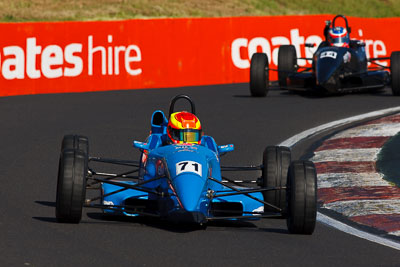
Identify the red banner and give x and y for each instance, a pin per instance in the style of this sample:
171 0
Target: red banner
152 53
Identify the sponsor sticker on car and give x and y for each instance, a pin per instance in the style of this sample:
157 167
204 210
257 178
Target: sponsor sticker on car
347 57
331 54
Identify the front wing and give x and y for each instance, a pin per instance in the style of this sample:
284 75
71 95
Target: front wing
126 194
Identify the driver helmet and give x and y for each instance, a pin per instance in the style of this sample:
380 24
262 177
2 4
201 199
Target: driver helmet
339 37
184 127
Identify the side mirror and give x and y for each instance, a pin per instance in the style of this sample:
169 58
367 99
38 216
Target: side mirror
225 148
141 145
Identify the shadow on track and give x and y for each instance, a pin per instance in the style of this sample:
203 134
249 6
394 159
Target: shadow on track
100 218
317 94
46 203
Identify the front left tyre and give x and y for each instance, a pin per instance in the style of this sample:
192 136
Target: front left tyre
301 197
259 75
71 185
395 72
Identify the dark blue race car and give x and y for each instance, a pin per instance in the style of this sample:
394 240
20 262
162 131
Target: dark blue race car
179 178
339 65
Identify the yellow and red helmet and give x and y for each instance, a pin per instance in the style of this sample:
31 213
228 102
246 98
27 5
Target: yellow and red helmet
184 127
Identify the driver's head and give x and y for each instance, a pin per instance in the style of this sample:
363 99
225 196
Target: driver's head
339 37
184 127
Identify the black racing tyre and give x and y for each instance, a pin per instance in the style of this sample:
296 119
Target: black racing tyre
75 142
71 185
287 63
395 72
276 161
259 76
301 198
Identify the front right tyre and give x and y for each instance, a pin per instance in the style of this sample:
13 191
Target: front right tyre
77 142
276 161
71 185
287 63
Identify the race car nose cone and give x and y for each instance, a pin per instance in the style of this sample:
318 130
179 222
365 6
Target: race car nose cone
324 72
330 83
189 188
326 75
322 78
328 66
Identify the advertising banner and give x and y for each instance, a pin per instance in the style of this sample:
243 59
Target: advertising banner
54 57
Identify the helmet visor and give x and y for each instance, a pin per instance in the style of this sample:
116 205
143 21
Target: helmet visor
185 135
341 40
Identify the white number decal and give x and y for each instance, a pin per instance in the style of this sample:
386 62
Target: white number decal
188 166
331 54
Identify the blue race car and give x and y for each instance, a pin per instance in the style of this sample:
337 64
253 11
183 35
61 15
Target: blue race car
179 178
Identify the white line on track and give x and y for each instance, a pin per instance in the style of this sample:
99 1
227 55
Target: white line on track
346 155
328 220
351 230
396 233
383 129
329 180
316 130
351 208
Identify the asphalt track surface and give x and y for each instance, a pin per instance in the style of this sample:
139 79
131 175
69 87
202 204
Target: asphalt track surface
30 136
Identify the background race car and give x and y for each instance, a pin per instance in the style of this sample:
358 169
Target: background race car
339 65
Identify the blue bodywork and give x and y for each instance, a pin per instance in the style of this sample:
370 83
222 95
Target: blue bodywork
183 182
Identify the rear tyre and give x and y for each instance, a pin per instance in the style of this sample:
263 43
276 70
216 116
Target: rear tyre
287 63
301 197
276 161
75 142
259 76
395 72
71 186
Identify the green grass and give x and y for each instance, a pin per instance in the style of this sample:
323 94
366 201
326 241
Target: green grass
62 10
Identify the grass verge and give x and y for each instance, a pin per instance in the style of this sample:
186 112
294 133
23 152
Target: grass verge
66 10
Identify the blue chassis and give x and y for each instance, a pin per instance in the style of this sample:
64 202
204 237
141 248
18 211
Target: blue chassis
179 182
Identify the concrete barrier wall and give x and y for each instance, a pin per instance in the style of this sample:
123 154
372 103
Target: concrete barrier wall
56 57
